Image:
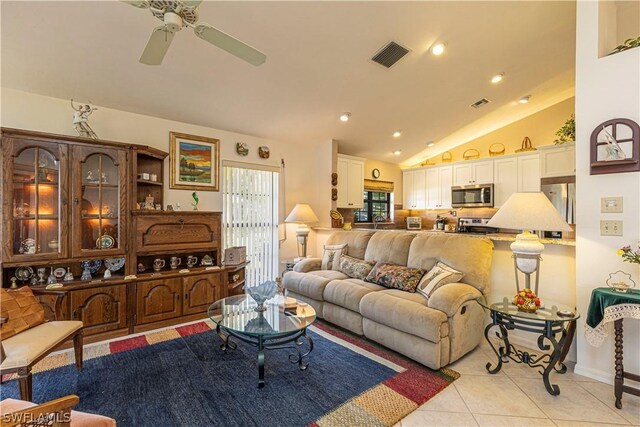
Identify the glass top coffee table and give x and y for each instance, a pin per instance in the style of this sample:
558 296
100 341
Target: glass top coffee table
275 328
555 325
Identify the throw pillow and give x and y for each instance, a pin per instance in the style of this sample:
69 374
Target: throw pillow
440 275
354 267
331 256
22 310
395 276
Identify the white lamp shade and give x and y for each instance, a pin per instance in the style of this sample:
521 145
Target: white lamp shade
302 213
529 211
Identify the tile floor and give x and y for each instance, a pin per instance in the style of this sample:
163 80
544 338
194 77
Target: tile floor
516 397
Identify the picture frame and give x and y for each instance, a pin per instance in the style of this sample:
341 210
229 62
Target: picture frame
194 162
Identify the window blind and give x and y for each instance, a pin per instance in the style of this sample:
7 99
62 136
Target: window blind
250 217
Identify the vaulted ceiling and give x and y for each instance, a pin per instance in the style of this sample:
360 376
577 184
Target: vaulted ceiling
318 66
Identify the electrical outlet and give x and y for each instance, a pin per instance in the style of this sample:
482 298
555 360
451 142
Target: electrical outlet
611 205
610 228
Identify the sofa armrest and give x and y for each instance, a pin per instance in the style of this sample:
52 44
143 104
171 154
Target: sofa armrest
449 298
308 264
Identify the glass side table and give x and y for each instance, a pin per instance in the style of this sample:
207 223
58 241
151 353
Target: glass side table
548 321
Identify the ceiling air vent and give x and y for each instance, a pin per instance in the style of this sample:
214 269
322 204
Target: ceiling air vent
480 103
390 54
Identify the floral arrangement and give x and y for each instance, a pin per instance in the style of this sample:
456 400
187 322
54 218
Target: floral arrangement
629 255
527 300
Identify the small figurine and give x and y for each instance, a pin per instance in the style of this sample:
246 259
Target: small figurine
196 200
68 277
81 120
52 278
90 177
86 273
178 207
105 178
13 283
41 273
107 274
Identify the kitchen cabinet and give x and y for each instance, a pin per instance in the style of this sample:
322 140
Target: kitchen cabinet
473 173
439 181
158 300
101 309
557 160
515 174
414 189
350 182
200 292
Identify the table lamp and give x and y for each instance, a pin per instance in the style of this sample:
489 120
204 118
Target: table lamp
302 214
528 211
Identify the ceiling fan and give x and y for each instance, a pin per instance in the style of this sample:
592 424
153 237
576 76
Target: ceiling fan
177 14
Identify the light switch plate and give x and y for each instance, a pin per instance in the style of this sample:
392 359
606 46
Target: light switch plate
611 205
610 228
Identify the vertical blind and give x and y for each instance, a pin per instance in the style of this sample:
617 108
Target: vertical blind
250 217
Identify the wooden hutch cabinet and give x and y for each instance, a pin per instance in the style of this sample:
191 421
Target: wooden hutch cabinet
72 203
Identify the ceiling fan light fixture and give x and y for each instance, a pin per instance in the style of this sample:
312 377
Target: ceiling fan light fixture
344 117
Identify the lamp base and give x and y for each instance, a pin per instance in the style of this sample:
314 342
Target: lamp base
526 258
302 233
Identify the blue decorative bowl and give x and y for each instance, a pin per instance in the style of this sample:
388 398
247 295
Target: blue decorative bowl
261 293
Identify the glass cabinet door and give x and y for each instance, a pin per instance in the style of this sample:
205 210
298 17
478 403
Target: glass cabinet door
99 201
36 182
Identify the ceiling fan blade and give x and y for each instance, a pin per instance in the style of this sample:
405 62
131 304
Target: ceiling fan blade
230 44
192 3
157 46
140 4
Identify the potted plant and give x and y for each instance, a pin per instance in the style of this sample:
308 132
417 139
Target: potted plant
567 133
628 44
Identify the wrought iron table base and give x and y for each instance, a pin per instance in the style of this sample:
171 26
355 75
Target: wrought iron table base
548 330
263 343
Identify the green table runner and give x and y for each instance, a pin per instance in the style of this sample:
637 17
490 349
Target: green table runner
607 306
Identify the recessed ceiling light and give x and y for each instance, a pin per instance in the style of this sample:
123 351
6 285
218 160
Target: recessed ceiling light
437 49
524 99
430 144
397 134
497 78
397 152
344 117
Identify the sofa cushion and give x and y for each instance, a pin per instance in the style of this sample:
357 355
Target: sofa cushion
405 315
409 296
439 275
348 293
470 255
389 246
395 276
331 256
310 284
356 241
22 310
354 267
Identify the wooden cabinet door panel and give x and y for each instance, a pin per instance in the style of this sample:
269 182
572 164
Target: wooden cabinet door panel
200 292
171 232
158 300
100 309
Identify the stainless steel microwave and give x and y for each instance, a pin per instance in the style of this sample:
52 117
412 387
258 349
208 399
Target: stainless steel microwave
472 196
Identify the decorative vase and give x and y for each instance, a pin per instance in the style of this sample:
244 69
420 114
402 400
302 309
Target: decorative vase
262 293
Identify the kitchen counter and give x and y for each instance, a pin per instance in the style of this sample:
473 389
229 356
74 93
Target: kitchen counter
496 237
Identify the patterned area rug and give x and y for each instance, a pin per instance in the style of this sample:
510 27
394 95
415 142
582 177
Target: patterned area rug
181 377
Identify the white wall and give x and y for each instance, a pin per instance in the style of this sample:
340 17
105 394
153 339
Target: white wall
606 88
307 172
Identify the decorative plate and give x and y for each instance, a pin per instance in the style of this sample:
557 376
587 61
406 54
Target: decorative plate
114 264
28 246
59 272
263 152
105 242
93 265
24 273
242 148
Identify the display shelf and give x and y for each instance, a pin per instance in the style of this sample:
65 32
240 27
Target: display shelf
145 182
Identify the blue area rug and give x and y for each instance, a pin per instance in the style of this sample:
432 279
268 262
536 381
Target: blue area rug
190 381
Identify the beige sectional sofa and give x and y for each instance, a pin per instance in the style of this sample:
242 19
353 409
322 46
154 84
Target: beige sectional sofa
434 331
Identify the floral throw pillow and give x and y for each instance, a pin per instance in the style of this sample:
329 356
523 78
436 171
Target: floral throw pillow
395 276
331 256
354 267
440 275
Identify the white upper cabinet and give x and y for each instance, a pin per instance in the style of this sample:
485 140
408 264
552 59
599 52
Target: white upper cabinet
557 161
439 182
515 174
414 189
473 173
350 182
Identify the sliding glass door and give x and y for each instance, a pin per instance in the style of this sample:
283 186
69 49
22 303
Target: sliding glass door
250 217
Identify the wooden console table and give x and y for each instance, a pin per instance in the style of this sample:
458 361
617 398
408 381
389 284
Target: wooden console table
608 305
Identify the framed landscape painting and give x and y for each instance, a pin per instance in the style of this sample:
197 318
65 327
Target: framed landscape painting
194 162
